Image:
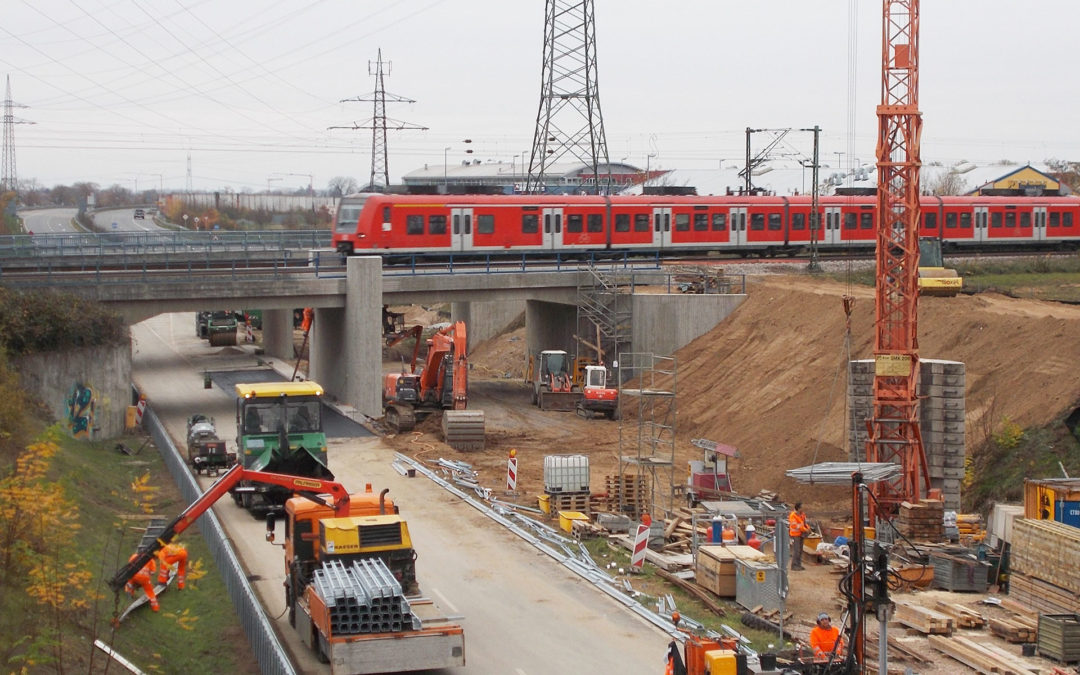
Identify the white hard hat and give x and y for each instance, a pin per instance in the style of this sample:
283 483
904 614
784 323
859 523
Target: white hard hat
750 528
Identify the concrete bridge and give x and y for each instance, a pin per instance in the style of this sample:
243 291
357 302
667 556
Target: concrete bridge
346 339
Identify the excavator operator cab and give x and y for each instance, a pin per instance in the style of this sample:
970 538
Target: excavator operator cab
595 377
554 364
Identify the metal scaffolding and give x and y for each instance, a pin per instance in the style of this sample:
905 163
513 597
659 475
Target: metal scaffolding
647 433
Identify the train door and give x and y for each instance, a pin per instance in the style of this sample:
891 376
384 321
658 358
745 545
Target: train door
737 223
461 229
553 224
1038 223
830 233
982 217
662 226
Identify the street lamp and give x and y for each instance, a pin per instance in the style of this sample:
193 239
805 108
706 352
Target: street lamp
444 151
648 173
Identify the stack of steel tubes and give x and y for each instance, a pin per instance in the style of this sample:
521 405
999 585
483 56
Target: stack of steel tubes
363 598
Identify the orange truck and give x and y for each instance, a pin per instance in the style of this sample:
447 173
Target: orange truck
350 577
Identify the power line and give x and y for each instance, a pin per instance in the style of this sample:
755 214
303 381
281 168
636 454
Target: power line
9 179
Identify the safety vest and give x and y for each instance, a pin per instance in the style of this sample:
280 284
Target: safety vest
797 524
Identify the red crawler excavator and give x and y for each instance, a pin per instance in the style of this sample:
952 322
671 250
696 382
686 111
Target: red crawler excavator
440 384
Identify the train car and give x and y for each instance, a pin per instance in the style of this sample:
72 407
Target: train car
460 225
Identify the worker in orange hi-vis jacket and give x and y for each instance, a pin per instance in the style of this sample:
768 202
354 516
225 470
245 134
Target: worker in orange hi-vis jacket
169 555
142 579
825 639
797 529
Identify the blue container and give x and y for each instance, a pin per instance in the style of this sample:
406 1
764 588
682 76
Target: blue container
1067 513
717 531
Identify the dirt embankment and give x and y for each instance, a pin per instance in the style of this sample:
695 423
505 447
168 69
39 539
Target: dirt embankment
771 380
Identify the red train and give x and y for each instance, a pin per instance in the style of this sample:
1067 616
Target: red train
767 226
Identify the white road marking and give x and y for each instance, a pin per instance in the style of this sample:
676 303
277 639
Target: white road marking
445 600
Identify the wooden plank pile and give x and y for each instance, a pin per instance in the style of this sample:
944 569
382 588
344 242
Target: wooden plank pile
1044 574
963 617
982 658
1016 629
924 620
924 521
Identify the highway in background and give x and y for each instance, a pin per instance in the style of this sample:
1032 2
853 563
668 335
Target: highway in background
49 221
124 220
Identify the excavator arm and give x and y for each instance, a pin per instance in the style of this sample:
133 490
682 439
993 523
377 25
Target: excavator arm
447 349
416 332
307 487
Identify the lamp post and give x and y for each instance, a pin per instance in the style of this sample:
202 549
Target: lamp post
648 172
444 151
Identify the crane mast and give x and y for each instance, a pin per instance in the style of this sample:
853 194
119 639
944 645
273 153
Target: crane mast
894 429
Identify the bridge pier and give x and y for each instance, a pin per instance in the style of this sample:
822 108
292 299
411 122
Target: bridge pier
277 333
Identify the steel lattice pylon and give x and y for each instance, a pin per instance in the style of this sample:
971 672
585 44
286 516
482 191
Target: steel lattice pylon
894 429
379 123
569 122
9 177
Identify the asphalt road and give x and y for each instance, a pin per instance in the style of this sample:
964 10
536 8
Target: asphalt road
49 221
124 220
524 614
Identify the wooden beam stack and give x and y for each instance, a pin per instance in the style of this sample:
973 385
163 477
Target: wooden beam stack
1016 629
963 616
1043 573
924 521
924 620
983 658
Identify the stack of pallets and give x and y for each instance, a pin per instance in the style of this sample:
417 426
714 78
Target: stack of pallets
628 489
924 521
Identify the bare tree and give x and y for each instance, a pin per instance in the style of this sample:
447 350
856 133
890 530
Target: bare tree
947 183
342 185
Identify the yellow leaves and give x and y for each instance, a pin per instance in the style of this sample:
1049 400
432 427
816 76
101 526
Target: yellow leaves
184 619
145 493
195 570
1010 435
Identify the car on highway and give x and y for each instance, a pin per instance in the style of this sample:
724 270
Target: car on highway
140 214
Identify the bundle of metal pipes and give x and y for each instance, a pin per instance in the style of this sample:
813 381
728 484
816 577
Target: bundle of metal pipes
363 598
839 473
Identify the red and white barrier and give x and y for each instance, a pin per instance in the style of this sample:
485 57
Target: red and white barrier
511 471
140 408
641 542
249 335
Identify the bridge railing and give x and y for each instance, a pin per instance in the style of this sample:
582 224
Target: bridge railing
158 242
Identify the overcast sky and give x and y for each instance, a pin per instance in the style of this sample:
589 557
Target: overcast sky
122 90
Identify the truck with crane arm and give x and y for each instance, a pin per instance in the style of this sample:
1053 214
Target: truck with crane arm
350 576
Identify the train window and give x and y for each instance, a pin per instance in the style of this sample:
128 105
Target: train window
757 221
1010 219
485 223
930 221
558 223
436 224
547 223
530 223
386 214
950 221
1066 219
866 221
457 223
641 222
573 222
719 222
468 224
776 222
414 224
682 222
657 219
1025 220
701 222
965 221
595 222
1055 219
798 221
622 222
849 221
995 220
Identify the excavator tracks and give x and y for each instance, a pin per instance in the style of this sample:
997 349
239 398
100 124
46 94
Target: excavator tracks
400 418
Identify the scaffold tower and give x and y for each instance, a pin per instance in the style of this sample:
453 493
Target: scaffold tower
646 480
569 124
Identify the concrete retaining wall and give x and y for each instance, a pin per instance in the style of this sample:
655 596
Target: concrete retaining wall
663 323
87 390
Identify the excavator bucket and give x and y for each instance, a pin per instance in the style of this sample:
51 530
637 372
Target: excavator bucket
559 400
463 429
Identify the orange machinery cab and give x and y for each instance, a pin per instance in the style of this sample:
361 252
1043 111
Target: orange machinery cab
705 655
302 517
401 388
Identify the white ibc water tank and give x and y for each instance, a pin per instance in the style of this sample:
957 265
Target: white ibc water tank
566 473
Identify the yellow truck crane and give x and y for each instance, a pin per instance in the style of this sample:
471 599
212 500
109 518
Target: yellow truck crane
350 577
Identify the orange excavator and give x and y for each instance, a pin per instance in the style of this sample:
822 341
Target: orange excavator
440 384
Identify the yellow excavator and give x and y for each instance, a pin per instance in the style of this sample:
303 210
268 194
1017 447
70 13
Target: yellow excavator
934 277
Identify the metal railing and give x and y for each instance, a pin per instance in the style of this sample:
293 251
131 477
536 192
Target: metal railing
158 242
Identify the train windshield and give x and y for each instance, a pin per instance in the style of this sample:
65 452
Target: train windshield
349 214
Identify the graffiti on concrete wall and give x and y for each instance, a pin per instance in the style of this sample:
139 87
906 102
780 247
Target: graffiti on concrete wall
80 410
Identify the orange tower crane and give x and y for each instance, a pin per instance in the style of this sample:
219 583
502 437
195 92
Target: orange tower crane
894 429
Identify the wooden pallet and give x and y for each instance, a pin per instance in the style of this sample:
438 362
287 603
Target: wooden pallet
573 501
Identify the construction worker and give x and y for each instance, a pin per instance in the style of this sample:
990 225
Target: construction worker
169 555
825 639
142 579
797 528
